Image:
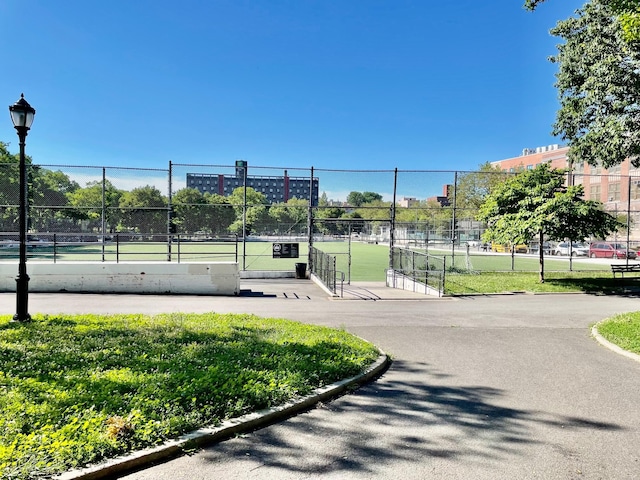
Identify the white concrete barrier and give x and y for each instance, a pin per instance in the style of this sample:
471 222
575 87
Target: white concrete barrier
215 278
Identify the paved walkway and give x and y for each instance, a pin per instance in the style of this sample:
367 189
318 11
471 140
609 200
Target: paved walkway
488 387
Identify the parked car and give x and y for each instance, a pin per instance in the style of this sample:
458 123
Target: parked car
610 250
576 250
547 248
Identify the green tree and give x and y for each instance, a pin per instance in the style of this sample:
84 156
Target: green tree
357 199
598 83
87 204
325 216
9 189
189 211
536 203
220 213
45 188
48 198
627 11
144 210
473 187
257 210
290 216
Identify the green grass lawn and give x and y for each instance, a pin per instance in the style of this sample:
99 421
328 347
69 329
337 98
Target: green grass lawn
623 330
77 389
559 282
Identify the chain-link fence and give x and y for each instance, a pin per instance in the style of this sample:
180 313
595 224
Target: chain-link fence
186 211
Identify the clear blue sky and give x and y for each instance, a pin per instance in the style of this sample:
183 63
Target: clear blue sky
358 84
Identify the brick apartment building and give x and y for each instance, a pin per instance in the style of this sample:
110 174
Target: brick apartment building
618 188
275 189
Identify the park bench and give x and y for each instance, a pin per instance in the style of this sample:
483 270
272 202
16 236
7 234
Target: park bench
622 269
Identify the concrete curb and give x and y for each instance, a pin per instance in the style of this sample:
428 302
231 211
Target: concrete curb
206 436
611 346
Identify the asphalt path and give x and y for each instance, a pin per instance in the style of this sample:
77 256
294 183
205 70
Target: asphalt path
482 387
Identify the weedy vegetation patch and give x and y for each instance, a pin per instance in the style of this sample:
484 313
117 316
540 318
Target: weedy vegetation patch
78 389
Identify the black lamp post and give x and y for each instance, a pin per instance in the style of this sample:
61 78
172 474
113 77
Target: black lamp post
22 117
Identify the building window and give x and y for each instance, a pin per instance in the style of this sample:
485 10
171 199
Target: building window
635 189
594 192
614 191
529 167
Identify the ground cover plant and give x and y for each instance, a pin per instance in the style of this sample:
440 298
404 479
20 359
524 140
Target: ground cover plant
623 330
76 389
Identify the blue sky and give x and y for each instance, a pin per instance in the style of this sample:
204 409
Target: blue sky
333 84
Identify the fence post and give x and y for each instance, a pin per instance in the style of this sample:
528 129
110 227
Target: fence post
244 217
103 211
310 223
392 221
170 227
454 230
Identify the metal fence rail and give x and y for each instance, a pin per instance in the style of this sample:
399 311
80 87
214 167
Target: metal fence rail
159 205
323 266
421 267
120 247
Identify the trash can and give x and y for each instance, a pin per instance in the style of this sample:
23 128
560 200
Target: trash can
301 270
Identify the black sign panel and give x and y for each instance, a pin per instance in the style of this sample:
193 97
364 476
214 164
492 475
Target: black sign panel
285 250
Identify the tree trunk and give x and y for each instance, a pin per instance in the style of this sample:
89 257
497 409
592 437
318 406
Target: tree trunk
541 255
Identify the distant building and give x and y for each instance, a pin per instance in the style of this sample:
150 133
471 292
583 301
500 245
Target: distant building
275 189
610 187
443 199
618 187
407 202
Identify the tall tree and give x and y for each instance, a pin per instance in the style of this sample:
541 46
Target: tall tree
257 210
189 210
536 203
473 187
144 209
290 216
628 12
598 83
87 203
220 213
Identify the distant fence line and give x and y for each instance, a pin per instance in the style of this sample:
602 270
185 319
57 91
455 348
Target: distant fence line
155 202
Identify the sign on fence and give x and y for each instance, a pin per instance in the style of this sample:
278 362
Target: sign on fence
285 250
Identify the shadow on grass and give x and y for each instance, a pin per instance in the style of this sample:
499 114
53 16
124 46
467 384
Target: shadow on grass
599 286
492 283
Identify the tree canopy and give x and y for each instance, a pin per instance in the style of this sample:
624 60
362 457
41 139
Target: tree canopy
598 83
357 199
627 11
537 203
473 187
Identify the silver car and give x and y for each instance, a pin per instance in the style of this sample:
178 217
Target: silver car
576 250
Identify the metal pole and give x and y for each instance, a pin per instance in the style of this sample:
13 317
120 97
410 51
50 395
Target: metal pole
22 280
392 223
244 218
453 220
104 215
170 226
349 257
628 213
310 224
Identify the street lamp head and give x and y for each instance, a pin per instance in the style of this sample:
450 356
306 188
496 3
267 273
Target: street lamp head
22 114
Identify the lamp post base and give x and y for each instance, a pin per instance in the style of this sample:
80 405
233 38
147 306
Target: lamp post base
22 299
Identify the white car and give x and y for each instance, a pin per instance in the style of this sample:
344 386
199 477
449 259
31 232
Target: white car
576 250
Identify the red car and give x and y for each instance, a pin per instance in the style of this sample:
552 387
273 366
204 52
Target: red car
610 250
